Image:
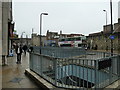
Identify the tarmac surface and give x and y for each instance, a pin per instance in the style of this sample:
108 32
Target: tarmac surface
13 74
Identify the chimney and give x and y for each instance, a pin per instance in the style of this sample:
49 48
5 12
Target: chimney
60 32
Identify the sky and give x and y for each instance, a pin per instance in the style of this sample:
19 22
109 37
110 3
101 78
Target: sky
70 16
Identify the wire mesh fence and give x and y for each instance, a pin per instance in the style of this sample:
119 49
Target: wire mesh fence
80 70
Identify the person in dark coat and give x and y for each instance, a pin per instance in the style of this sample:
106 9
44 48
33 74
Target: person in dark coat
25 48
31 49
18 50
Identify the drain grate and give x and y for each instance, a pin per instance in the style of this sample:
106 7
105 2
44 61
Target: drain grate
16 80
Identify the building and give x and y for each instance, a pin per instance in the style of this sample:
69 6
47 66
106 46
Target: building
102 41
52 38
35 41
7 27
0 31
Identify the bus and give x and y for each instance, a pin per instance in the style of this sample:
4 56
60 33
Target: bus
79 41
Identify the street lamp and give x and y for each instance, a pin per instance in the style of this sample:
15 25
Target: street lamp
41 28
106 18
111 27
106 29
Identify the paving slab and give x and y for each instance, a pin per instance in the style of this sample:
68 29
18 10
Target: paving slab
13 74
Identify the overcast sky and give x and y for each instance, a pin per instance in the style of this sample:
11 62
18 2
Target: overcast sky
70 16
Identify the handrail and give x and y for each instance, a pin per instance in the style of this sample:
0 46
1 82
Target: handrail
68 75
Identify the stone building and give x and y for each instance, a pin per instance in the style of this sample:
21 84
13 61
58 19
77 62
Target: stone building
102 41
6 28
52 38
35 41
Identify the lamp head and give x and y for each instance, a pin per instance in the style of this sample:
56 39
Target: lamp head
104 10
44 13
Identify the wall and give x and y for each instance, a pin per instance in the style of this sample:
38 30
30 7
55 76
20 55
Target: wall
5 29
0 32
0 44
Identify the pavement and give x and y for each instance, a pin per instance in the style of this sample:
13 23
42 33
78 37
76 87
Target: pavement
108 51
13 74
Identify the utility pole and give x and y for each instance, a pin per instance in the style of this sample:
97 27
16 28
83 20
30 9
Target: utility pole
111 27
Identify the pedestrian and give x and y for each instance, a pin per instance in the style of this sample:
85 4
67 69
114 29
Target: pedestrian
18 52
25 48
31 49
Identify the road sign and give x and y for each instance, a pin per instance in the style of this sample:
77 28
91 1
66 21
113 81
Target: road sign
112 37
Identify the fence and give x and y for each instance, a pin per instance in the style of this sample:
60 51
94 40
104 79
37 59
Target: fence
60 52
81 71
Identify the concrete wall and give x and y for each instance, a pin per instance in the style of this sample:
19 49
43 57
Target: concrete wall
6 16
5 29
0 32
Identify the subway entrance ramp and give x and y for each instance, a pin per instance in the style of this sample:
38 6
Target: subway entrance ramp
70 68
80 76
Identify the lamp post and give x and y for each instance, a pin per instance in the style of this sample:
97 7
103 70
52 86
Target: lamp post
106 29
41 28
111 27
106 18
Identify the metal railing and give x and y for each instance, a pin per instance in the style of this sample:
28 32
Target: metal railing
60 52
92 70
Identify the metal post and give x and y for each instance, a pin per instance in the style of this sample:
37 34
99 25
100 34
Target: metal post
106 28
111 28
96 77
40 30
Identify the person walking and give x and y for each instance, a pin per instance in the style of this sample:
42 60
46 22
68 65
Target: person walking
31 48
18 52
25 48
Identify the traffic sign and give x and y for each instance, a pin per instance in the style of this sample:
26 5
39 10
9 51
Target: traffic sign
112 37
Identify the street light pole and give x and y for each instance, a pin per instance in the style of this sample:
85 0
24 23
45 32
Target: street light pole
41 28
111 27
106 29
106 18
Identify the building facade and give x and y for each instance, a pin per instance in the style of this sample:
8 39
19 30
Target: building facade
35 41
0 32
102 40
6 29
